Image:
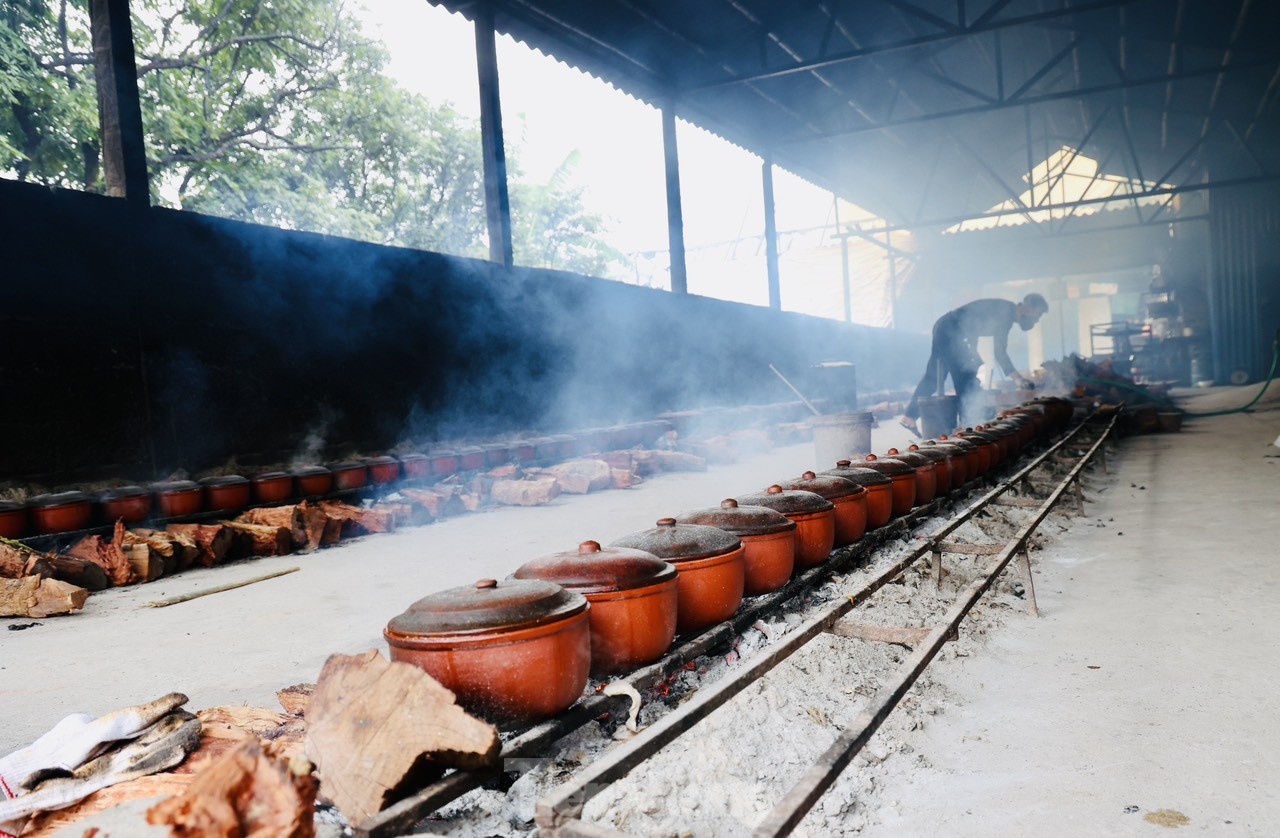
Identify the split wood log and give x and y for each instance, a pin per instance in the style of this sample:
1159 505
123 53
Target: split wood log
404 514
20 562
625 478
377 729
213 541
179 550
294 699
37 597
147 566
49 824
438 501
653 462
259 540
249 790
109 555
306 523
533 491
79 572
223 728
577 477
357 521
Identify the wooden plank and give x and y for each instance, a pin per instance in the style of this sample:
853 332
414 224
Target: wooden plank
970 549
1023 503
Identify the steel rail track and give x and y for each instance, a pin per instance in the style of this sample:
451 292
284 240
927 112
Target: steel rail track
523 750
560 813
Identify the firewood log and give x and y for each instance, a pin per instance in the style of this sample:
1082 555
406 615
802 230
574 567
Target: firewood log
305 521
38 597
528 492
17 563
577 477
180 547
357 521
150 559
438 501
260 540
109 555
213 541
375 728
79 572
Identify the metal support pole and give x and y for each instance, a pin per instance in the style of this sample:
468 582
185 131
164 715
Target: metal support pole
124 156
937 567
497 203
1024 559
675 214
771 237
844 275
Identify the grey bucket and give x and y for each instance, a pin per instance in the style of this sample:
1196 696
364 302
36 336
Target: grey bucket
840 436
939 415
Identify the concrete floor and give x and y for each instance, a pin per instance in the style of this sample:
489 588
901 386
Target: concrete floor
239 647
1150 681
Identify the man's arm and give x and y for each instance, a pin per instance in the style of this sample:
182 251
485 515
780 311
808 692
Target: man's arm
1001 338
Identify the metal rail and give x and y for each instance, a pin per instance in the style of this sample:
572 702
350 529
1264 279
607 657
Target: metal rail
560 812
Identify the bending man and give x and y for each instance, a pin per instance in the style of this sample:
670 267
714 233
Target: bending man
954 351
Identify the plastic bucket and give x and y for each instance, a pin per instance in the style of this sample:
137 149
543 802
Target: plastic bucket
840 436
939 415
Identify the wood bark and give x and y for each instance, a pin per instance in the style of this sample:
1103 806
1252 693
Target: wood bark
377 728
260 540
109 555
530 492
305 521
49 824
179 548
438 501
213 541
357 521
79 572
577 477
18 563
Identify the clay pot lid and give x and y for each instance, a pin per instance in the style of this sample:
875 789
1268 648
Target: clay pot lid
740 520
488 605
933 455
958 441
11 505
414 457
53 499
862 476
827 486
268 476
561 437
681 542
223 481
912 458
311 471
383 460
495 446
886 465
592 569
173 487
345 465
976 437
123 493
787 501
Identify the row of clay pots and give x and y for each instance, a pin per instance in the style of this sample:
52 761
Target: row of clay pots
522 649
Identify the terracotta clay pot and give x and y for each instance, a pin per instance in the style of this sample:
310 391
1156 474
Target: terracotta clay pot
496 454
415 466
926 474
903 476
522 451
972 457
958 460
511 651
988 451
13 519
178 498
564 447
444 462
470 458
131 504
879 489
768 539
848 498
383 470
313 481
941 466
814 517
228 492
710 569
633 598
61 512
349 475
272 486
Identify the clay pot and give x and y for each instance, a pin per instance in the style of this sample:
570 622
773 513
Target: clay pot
13 519
988 451
225 493
903 476
313 481
879 489
131 504
593 441
768 540
511 651
271 486
814 517
522 452
61 512
848 498
710 569
941 466
383 470
564 447
972 457
496 454
633 598
415 466
349 475
926 474
470 458
178 498
957 460
444 461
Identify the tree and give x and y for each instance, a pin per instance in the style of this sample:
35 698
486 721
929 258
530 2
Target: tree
277 112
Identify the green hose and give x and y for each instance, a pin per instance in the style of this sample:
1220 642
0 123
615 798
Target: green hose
1275 357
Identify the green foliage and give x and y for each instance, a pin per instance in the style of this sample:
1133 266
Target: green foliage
277 112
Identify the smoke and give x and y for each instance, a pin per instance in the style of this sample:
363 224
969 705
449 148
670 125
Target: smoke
310 450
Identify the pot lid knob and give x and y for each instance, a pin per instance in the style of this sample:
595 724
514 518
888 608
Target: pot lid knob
843 463
666 522
809 475
893 451
588 547
728 503
943 436
871 458
486 583
775 489
913 447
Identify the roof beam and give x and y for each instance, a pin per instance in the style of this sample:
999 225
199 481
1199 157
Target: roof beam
912 42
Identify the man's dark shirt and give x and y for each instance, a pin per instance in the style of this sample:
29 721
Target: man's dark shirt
986 318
